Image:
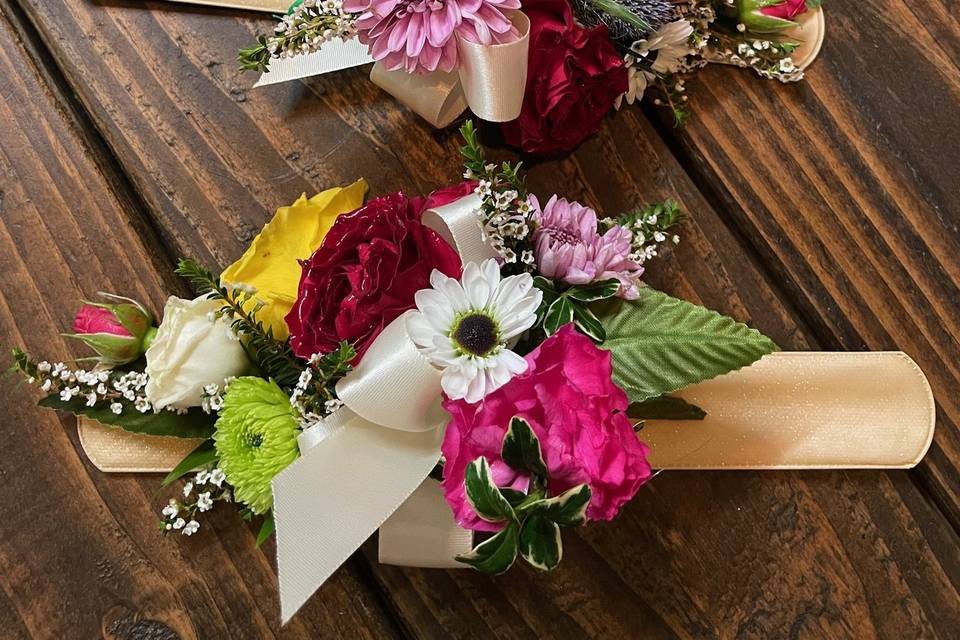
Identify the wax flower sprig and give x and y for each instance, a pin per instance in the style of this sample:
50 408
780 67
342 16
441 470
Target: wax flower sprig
505 209
305 29
531 520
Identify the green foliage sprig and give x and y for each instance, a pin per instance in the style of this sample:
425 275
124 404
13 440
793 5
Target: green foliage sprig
532 520
274 357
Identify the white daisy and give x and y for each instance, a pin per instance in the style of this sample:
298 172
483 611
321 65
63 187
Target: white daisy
672 44
464 328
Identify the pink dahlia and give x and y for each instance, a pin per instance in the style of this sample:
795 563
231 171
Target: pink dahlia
418 35
567 247
577 412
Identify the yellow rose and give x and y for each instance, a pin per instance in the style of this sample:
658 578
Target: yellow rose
270 265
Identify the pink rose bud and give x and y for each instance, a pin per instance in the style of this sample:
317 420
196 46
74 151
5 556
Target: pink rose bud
118 331
772 16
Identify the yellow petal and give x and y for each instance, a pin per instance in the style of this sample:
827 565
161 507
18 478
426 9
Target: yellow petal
270 267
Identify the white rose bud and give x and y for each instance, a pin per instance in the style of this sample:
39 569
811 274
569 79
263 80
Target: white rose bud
193 348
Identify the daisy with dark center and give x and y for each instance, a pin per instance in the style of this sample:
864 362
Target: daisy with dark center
465 328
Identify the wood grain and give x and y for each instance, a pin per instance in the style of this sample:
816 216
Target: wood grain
696 555
849 197
80 554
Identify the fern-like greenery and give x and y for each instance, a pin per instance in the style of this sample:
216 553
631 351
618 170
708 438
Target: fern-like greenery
274 357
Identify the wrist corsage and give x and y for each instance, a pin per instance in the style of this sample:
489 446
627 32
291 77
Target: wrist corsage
358 353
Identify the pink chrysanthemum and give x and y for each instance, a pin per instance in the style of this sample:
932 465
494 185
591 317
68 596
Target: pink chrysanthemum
418 35
567 247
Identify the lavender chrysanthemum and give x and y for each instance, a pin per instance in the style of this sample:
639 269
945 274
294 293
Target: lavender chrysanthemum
418 35
568 247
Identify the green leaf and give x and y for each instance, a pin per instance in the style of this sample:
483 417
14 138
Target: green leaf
513 496
588 323
192 424
558 314
495 555
202 455
661 344
521 448
665 408
594 291
540 543
266 529
569 509
483 494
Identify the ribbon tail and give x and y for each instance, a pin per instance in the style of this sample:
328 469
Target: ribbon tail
327 503
423 533
334 56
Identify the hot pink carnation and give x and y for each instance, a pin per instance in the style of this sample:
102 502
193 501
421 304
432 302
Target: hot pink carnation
91 319
576 411
567 247
418 35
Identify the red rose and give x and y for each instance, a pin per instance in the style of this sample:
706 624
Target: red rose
365 273
574 77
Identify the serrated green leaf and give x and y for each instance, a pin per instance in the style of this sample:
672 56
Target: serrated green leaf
495 555
192 424
558 314
483 494
569 509
266 529
665 408
662 344
540 543
521 448
588 323
594 291
202 455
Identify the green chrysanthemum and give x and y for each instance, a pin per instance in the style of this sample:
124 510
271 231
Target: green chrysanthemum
256 438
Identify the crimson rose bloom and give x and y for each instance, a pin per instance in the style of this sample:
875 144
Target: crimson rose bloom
365 273
574 77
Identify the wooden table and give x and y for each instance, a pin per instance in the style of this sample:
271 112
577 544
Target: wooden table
824 213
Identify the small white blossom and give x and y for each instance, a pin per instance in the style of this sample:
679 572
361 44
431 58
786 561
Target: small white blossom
171 510
204 503
190 528
179 523
187 488
116 407
217 477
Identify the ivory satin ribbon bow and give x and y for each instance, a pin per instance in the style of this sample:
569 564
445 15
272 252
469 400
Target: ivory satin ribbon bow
490 79
359 465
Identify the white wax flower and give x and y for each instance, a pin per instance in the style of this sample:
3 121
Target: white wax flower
193 348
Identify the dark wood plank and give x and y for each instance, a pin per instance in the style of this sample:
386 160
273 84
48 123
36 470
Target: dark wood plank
849 194
696 555
80 555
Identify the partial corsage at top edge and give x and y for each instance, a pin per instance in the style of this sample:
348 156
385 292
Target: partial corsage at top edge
547 70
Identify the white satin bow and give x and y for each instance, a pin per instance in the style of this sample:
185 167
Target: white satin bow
361 464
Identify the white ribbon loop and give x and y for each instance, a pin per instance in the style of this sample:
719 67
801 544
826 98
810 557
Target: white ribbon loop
459 224
436 97
495 76
393 385
491 81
